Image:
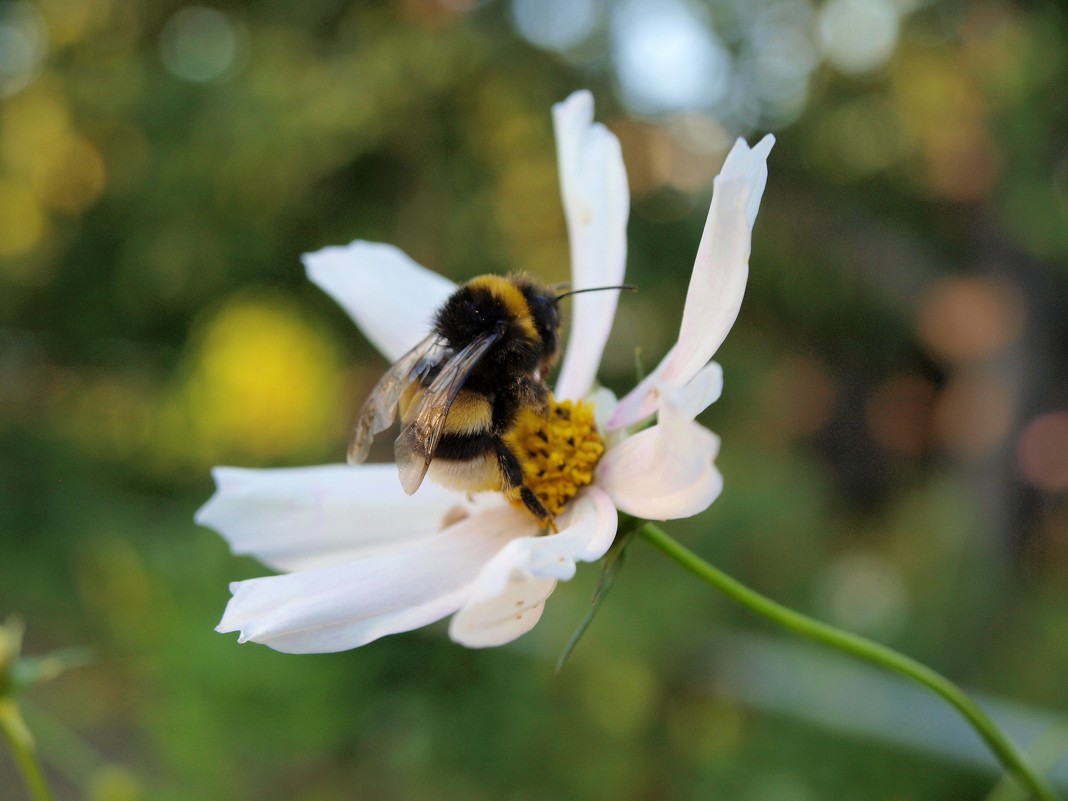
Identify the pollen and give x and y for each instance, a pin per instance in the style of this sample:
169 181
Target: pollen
558 451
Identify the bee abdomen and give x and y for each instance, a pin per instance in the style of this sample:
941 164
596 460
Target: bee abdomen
473 470
465 457
470 413
462 447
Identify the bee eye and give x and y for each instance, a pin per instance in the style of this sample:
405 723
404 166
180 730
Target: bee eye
544 312
546 318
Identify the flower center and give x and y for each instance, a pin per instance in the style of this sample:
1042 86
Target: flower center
558 451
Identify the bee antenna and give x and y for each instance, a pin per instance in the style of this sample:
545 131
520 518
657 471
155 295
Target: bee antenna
628 287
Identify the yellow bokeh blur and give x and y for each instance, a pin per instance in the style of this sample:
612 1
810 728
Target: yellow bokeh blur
70 20
37 124
77 178
21 222
45 164
262 382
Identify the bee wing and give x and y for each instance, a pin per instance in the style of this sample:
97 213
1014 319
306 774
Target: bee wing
381 405
419 439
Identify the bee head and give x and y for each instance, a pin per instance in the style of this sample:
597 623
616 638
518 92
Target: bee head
544 304
545 314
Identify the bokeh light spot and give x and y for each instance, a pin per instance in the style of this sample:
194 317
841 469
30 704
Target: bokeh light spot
21 219
973 414
36 127
115 783
964 163
968 319
554 24
78 178
70 21
860 137
667 57
698 145
858 36
263 382
1042 451
23 44
781 59
199 44
864 592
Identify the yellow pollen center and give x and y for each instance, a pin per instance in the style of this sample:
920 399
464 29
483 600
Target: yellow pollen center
558 451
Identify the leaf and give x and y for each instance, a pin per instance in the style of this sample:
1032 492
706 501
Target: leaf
613 563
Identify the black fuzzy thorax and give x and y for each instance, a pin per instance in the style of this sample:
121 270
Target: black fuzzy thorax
510 374
469 313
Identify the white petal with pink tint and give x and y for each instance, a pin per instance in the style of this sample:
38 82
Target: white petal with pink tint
506 600
722 266
702 391
512 612
718 280
596 198
750 165
667 471
303 517
346 605
390 297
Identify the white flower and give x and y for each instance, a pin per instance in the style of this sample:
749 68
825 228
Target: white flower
361 559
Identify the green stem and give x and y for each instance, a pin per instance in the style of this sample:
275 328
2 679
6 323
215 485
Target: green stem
21 743
1007 753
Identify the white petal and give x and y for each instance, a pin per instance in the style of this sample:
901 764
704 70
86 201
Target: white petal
596 199
344 606
666 471
702 391
604 404
506 600
718 281
514 611
390 297
751 166
722 266
305 517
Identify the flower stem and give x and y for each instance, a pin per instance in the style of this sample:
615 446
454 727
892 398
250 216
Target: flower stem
21 743
1007 753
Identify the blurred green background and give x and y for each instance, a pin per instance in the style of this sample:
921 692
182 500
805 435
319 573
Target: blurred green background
895 420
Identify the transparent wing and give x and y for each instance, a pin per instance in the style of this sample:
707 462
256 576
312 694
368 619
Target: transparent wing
419 439
381 405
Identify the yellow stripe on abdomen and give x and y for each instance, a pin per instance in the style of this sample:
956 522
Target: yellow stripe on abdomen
470 413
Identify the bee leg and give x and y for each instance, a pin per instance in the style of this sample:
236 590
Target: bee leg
530 500
532 394
514 487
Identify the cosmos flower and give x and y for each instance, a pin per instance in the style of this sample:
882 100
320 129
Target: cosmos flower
359 559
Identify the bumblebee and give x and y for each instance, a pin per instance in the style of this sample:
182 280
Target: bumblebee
461 389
